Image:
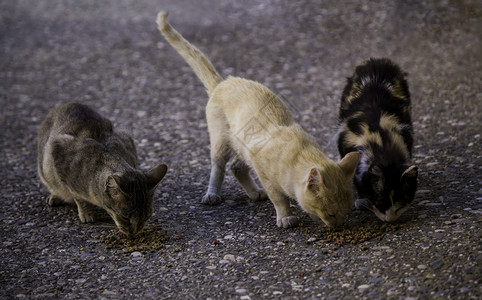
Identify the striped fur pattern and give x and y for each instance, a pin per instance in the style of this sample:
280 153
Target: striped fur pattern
376 122
82 160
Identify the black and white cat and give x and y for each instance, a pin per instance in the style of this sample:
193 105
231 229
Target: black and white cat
82 160
375 121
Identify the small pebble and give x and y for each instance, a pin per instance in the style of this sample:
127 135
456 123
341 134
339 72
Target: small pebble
136 254
376 279
229 257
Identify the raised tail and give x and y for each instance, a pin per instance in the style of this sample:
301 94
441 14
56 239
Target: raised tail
200 64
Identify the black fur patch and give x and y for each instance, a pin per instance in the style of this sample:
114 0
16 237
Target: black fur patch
375 121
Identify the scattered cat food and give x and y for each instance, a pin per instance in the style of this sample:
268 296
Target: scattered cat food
151 239
355 234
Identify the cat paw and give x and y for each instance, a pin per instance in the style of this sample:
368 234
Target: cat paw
287 222
87 218
211 199
259 195
93 216
54 201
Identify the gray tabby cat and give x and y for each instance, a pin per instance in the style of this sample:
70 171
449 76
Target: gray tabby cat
82 160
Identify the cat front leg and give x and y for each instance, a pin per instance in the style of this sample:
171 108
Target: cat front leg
53 200
89 213
281 203
241 172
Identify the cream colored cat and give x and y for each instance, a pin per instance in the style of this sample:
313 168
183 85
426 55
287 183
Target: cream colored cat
249 123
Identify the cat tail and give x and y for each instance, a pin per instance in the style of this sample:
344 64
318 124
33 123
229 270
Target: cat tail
200 64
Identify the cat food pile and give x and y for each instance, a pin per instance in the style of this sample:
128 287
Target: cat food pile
149 240
357 234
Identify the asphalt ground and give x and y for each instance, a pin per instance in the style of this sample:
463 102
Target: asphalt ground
109 55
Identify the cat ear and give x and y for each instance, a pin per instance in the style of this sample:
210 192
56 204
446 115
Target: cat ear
348 163
155 175
314 180
111 183
410 173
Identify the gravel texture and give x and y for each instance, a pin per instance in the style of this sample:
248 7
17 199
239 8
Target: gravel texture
109 54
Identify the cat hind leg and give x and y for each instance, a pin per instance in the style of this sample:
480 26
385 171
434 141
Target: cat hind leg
240 171
212 196
220 151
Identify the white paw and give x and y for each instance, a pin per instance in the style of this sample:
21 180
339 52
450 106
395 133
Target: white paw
259 195
287 222
211 199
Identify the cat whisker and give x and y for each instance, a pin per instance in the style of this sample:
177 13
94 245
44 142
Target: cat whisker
362 203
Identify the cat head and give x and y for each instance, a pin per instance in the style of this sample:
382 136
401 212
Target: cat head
328 193
128 197
388 191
